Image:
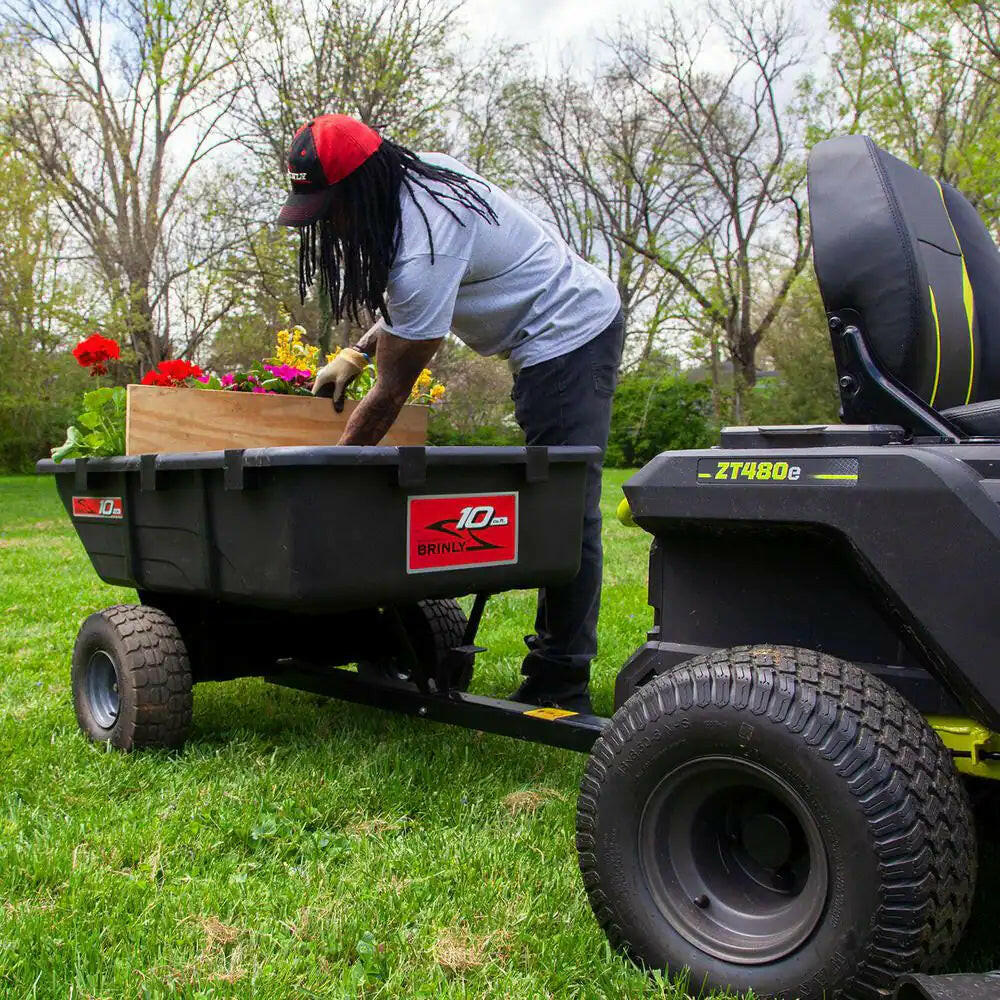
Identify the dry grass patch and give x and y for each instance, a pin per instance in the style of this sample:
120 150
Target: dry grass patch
219 949
530 800
311 922
218 936
457 951
395 884
51 543
374 826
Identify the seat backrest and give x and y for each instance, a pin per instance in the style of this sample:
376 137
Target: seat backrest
913 258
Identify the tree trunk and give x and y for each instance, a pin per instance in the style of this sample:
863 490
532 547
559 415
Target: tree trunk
148 347
744 375
714 369
325 324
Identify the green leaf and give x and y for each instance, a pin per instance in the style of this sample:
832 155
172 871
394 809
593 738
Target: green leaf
266 828
366 944
69 446
89 419
96 399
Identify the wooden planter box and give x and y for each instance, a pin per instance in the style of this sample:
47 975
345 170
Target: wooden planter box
185 420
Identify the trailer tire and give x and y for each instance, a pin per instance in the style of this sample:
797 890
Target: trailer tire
797 782
132 679
434 627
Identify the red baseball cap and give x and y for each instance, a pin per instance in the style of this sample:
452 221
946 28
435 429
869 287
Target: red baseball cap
323 152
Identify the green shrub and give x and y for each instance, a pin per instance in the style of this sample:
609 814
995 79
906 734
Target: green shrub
477 408
798 345
658 412
442 431
37 407
786 399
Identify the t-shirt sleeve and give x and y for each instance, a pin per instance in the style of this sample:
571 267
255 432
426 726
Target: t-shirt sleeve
421 296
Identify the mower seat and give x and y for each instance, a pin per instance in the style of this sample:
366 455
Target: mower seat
913 259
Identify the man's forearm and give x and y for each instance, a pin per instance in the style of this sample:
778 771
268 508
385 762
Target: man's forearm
399 363
369 341
372 418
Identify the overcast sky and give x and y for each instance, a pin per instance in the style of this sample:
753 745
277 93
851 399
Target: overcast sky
552 26
554 23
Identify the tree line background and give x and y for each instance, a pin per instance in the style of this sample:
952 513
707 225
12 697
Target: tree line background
142 145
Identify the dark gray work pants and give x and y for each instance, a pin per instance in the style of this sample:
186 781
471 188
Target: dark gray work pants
567 401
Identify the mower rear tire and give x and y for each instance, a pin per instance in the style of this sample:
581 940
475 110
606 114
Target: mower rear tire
132 679
776 819
434 627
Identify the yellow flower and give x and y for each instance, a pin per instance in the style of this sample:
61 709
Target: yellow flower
281 348
424 379
290 350
436 393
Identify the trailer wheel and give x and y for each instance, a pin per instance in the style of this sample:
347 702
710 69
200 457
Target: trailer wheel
778 820
434 627
132 679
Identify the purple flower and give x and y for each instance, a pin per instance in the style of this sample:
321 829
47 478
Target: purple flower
261 389
287 373
204 379
228 379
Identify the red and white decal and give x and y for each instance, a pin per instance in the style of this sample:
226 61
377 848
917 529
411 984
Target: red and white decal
106 508
461 531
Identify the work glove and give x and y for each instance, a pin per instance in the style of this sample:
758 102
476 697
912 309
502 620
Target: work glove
333 379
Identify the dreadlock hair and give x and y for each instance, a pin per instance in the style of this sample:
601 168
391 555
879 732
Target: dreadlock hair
355 245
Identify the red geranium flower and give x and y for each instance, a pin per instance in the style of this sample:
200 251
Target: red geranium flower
171 373
94 351
178 370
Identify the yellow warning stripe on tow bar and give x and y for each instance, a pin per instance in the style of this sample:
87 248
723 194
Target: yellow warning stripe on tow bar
549 713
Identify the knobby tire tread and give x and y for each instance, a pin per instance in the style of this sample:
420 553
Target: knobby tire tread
893 763
158 670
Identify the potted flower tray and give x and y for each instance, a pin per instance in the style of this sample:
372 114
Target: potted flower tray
175 419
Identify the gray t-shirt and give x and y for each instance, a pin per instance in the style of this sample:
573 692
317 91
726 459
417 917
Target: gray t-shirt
515 289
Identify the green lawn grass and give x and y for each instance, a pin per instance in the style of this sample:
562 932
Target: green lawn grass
298 847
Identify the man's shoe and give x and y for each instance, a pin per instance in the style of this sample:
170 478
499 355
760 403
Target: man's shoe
571 696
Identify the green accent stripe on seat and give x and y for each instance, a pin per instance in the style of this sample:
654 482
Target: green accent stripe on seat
970 306
937 332
967 297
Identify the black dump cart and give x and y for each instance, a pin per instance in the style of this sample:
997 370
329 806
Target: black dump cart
222 545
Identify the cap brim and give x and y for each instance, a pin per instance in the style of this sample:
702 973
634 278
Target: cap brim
304 207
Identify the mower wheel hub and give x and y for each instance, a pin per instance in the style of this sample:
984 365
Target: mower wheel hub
766 839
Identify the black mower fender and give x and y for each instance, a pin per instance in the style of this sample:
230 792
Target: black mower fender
922 524
949 987
649 660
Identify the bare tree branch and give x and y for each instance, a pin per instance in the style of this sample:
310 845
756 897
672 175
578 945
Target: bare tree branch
119 102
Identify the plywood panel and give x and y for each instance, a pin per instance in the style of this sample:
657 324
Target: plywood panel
184 420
